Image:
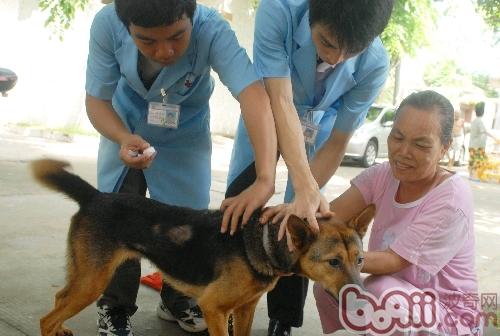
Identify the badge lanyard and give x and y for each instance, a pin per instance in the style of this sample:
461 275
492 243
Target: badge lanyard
164 114
310 131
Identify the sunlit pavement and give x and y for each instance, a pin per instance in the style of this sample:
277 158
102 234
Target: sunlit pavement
34 224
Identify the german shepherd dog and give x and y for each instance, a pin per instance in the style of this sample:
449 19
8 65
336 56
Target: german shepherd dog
226 274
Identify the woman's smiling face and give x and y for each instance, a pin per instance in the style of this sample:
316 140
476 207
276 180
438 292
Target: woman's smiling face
415 146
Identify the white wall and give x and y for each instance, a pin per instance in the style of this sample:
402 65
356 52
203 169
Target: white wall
50 89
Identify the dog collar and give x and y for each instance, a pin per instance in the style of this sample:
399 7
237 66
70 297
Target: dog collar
266 243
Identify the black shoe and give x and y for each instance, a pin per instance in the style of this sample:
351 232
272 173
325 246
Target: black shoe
113 322
277 328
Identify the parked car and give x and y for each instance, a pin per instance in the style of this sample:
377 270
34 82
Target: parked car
8 80
369 142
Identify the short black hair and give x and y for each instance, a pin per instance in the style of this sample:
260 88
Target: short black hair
432 101
154 13
354 23
479 108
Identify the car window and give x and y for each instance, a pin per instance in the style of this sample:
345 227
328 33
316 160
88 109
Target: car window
373 113
388 116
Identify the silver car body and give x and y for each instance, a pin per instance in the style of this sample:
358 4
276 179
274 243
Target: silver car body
370 140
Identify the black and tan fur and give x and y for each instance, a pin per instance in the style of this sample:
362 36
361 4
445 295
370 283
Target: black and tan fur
227 274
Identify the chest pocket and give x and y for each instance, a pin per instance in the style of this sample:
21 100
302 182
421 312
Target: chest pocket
193 90
186 84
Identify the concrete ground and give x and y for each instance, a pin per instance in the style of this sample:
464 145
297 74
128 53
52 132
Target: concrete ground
34 223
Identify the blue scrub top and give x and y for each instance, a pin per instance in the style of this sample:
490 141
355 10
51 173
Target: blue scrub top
180 173
283 48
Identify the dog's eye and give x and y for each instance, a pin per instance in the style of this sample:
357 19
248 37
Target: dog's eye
336 263
360 260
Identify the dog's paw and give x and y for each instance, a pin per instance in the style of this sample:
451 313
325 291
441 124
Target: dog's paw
63 331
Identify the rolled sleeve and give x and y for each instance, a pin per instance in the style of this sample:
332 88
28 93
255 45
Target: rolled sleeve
228 58
103 71
433 238
371 182
269 49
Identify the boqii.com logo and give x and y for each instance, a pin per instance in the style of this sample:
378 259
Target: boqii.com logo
396 309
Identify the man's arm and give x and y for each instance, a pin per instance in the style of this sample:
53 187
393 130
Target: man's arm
308 198
493 136
289 131
258 118
106 121
329 156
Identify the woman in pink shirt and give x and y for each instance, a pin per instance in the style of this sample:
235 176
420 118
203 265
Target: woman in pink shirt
422 239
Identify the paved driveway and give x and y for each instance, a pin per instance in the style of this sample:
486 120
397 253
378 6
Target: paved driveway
34 222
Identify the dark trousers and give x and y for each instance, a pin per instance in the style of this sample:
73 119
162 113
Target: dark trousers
286 301
123 287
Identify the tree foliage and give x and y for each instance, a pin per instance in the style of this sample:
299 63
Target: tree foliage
490 10
61 13
443 73
406 33
408 28
483 82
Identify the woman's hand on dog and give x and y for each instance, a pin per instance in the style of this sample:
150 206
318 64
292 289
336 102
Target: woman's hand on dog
134 143
251 199
309 207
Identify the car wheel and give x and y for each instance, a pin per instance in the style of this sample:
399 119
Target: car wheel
371 152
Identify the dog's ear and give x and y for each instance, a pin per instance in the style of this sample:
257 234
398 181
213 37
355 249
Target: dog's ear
300 232
362 220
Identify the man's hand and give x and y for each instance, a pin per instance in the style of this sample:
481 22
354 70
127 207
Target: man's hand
134 142
251 199
308 205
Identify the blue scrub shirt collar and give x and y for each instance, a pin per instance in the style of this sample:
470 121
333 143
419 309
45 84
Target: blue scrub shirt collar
303 35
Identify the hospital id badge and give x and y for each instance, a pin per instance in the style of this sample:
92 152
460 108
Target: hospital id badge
164 115
310 131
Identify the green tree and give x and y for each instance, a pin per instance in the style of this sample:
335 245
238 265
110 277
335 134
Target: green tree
490 10
483 82
61 13
406 33
443 73
408 27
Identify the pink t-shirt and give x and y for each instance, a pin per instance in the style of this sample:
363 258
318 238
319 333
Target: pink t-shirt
434 233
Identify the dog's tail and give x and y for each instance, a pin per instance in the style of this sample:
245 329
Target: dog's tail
53 175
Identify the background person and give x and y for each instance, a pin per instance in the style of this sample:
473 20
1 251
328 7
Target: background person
149 59
458 140
477 142
423 231
322 63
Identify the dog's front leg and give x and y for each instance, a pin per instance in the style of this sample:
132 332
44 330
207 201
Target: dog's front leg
243 318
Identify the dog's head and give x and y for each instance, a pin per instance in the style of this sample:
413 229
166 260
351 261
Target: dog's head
333 257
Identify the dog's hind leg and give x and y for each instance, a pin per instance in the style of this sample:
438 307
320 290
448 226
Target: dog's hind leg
243 318
85 284
80 292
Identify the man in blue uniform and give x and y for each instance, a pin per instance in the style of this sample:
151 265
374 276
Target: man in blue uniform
323 66
148 84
